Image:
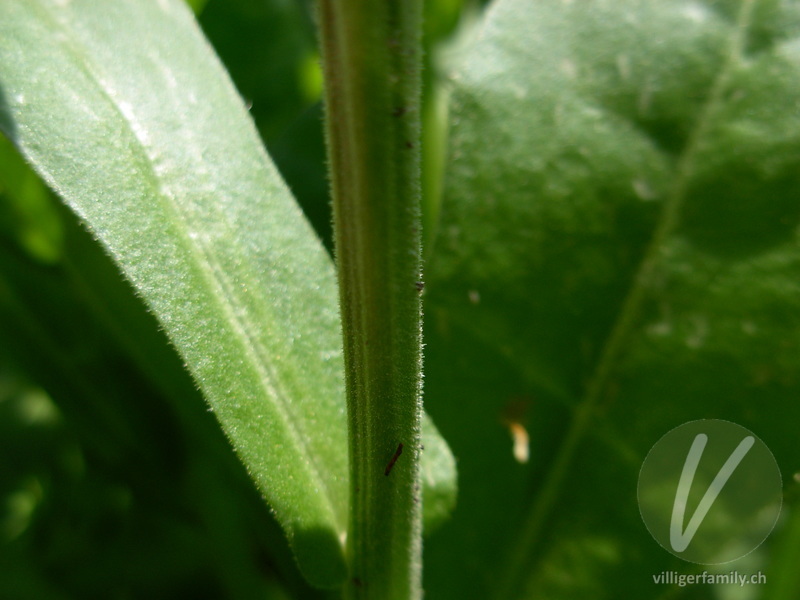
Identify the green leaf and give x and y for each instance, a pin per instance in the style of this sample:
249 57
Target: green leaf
195 198
124 110
620 220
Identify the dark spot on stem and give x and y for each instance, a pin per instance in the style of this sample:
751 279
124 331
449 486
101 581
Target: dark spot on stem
397 454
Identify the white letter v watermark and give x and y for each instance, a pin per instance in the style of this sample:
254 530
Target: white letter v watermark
680 539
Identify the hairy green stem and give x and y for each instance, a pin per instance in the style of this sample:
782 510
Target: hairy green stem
371 59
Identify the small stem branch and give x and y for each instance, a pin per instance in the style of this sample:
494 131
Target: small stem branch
371 59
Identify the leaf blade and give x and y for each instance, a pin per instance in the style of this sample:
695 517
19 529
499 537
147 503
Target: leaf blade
570 124
145 116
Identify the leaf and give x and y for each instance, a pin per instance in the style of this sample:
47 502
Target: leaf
124 110
197 199
620 221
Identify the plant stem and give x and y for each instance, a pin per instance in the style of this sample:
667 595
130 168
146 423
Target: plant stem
371 59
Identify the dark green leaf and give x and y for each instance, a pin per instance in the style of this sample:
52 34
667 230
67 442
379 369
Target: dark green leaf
620 221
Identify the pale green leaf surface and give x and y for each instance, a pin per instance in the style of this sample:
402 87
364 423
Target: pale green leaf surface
124 110
197 200
573 125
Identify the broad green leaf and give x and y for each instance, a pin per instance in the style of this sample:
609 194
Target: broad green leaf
124 110
620 217
252 308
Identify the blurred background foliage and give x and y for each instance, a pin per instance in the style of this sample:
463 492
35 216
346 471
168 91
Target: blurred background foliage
115 481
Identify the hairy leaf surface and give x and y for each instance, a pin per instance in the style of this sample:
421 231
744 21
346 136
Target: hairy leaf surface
138 128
